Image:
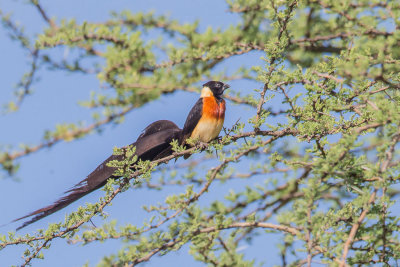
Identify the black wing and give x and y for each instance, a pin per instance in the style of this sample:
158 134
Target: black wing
152 144
191 121
157 126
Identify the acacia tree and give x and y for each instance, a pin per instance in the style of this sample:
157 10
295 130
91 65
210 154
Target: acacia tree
326 154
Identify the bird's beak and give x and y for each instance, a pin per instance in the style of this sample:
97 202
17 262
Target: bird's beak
226 86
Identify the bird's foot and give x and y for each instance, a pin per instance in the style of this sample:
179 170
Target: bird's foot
201 145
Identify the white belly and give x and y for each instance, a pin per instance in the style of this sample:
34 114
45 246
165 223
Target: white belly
207 130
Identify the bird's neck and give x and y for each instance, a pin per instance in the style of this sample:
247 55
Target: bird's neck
206 92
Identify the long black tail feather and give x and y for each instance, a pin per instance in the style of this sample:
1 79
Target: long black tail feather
153 143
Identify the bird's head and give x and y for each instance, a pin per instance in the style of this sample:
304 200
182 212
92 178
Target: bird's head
214 88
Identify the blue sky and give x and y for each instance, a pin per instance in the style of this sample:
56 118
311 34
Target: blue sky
45 175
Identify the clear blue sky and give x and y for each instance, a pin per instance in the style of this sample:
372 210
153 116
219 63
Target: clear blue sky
45 175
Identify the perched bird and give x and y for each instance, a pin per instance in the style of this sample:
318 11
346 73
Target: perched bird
203 124
205 120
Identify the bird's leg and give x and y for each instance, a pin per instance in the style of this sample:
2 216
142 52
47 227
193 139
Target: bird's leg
201 145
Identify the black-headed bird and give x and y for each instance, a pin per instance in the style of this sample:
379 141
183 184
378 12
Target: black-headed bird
203 124
206 118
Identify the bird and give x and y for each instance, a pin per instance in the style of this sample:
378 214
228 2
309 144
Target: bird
203 124
206 118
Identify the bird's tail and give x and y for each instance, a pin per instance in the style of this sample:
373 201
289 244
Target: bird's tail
93 181
153 143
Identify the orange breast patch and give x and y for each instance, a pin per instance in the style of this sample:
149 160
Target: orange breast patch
212 120
213 109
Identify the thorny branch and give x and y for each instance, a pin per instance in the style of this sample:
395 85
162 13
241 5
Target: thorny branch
269 201
283 25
